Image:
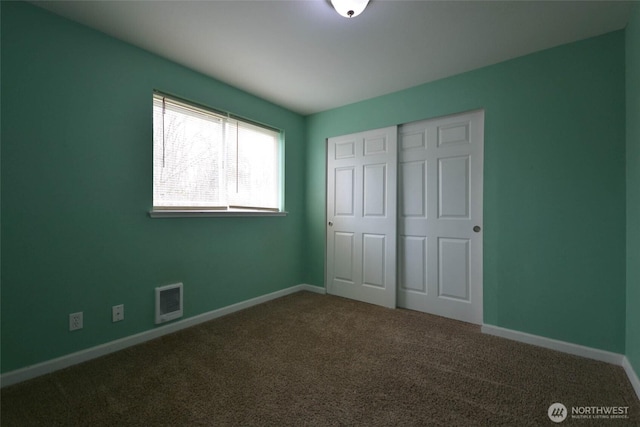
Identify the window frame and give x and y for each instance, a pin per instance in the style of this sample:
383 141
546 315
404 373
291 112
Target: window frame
228 211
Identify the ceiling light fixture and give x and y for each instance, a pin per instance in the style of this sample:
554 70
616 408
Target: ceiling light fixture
349 8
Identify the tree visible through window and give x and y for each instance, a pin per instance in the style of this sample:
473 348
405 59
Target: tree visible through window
203 160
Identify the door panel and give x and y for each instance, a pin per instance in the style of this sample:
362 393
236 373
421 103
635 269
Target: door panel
361 216
453 268
344 200
453 187
375 145
345 150
413 267
413 183
373 260
453 133
343 256
375 177
440 255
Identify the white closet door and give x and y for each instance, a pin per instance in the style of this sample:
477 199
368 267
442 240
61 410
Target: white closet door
440 216
361 216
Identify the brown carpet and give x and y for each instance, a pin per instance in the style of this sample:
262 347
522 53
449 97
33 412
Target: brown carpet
318 360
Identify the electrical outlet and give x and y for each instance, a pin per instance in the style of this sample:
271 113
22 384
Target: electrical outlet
117 313
75 321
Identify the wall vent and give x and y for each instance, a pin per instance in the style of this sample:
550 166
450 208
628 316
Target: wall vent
168 302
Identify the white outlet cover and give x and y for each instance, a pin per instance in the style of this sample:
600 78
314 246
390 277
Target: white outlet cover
117 313
75 321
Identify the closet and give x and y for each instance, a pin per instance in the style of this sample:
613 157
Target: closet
404 216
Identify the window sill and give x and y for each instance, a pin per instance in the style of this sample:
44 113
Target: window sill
168 213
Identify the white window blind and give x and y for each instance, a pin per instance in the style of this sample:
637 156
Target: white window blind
208 161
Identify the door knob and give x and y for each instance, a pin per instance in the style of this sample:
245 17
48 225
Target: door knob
477 229
330 224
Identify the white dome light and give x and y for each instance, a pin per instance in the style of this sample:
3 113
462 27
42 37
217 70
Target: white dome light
349 8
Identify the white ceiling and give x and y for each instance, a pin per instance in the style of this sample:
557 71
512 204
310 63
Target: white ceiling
302 55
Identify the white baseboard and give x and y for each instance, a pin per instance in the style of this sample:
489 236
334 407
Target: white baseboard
633 376
566 347
312 288
29 372
562 346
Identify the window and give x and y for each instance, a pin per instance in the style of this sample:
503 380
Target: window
207 161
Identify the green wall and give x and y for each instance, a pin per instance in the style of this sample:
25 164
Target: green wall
633 188
77 186
554 177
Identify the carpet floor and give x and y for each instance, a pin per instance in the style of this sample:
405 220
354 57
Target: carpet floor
319 360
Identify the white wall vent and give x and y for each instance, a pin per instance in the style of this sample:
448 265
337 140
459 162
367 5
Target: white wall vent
168 302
